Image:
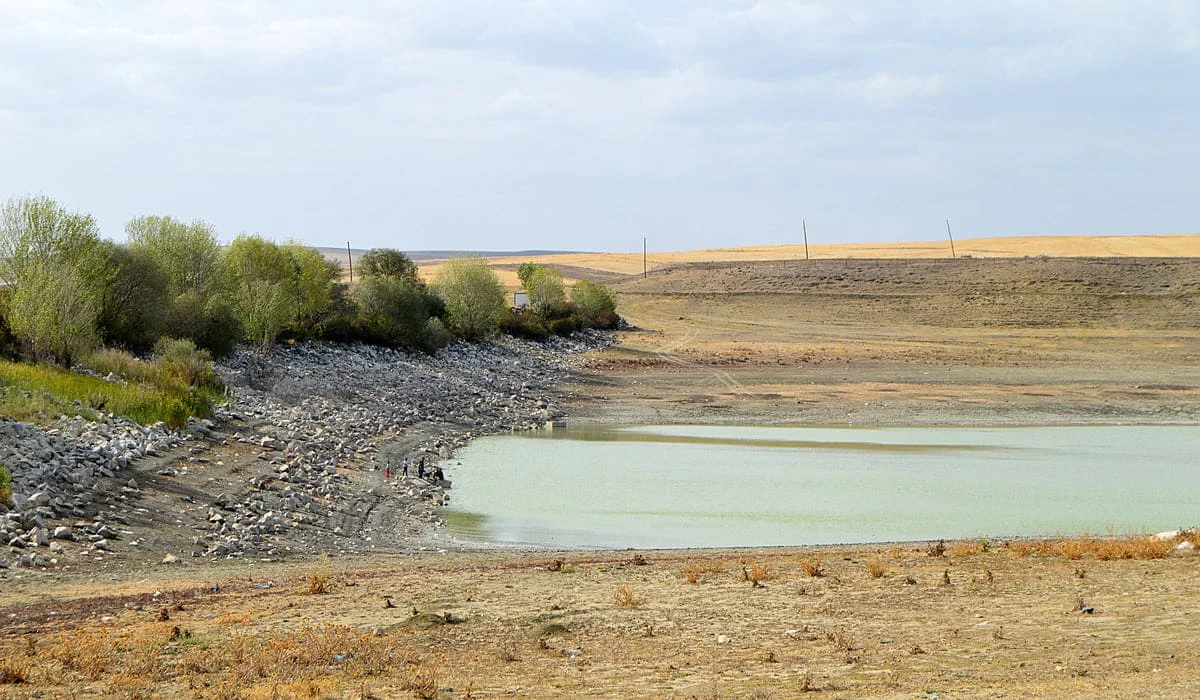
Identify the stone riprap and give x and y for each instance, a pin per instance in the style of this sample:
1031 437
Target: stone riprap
322 421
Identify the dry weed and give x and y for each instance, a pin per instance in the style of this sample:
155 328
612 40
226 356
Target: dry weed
318 582
964 549
812 566
15 671
692 572
625 598
755 572
876 567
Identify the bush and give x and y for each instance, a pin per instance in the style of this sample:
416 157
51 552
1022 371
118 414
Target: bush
597 307
5 486
180 359
393 311
524 323
475 301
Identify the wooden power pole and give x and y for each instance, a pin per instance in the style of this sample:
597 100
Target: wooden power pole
804 225
350 261
951 235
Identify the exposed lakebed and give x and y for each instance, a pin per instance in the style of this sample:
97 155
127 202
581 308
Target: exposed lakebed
709 486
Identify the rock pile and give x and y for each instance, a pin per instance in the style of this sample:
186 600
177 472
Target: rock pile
317 415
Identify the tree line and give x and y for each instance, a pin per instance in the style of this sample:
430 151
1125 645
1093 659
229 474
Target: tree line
68 291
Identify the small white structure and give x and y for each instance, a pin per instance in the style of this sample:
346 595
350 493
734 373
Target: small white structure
520 299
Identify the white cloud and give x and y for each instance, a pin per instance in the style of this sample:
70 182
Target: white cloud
529 116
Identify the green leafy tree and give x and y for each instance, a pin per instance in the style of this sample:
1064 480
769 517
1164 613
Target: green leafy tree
198 303
474 299
388 262
392 311
595 304
545 288
260 275
132 313
312 282
52 261
187 253
524 271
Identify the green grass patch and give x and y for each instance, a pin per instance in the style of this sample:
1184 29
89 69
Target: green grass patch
40 393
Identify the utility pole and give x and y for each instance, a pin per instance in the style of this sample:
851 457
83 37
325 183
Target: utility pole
350 260
645 267
804 225
951 235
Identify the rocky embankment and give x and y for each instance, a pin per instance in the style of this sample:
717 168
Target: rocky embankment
295 462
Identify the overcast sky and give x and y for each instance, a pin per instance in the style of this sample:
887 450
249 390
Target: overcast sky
589 124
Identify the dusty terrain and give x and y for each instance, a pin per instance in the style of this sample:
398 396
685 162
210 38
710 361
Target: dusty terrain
1018 621
1017 340
766 338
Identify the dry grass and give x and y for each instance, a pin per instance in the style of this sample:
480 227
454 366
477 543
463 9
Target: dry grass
854 634
755 572
319 582
625 598
966 549
812 566
695 569
1100 548
876 567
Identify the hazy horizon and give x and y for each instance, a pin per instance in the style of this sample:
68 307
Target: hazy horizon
586 126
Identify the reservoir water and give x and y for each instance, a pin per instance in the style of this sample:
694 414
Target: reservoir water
707 486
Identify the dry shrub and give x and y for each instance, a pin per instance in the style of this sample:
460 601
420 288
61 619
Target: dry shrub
15 671
756 572
421 681
625 597
964 549
1142 547
691 572
937 549
1102 548
318 582
812 566
876 567
841 641
88 653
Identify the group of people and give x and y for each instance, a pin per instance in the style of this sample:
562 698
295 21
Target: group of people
423 472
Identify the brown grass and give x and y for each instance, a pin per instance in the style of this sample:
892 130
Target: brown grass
755 572
1100 548
812 566
625 598
876 567
965 548
318 582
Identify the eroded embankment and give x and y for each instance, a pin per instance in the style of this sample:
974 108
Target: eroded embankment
295 463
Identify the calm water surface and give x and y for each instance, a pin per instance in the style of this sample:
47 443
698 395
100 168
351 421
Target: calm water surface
702 486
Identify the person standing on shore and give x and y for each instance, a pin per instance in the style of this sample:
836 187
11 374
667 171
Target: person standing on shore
387 471
404 466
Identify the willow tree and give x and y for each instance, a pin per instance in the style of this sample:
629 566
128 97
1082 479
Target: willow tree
474 299
51 259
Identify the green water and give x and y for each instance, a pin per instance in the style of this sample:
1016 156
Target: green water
706 486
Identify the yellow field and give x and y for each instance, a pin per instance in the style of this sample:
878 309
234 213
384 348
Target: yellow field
1178 245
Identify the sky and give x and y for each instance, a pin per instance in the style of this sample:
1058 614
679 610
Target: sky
590 124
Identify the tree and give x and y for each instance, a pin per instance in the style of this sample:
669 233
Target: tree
392 311
51 259
524 271
187 253
260 274
197 299
312 284
595 304
388 262
132 313
545 288
473 297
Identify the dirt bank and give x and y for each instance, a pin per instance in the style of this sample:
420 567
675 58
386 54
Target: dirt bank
1006 341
